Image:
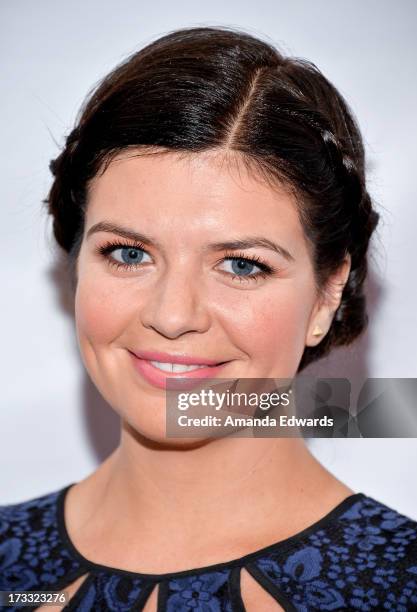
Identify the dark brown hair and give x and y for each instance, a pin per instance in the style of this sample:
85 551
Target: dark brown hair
203 88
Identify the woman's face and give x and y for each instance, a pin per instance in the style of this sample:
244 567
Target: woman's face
180 294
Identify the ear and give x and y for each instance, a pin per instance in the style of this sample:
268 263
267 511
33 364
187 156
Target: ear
326 305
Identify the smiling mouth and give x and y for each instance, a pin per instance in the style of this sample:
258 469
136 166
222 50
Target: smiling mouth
158 367
169 361
179 367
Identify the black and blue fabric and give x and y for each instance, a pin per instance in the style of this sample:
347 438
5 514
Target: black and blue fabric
361 556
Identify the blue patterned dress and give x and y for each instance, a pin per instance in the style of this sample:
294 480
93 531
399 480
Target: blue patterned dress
361 556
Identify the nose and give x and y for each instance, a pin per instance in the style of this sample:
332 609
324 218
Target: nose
177 304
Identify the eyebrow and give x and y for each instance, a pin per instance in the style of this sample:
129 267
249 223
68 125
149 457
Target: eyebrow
245 242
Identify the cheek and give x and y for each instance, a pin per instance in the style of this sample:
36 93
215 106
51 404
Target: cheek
271 326
100 311
102 314
274 328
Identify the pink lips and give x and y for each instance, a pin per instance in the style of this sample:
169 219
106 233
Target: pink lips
183 380
167 358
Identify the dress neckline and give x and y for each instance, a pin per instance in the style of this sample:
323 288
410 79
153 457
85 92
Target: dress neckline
62 529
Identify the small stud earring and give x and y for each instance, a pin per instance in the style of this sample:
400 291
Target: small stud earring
317 331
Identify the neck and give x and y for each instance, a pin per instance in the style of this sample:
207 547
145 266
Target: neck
226 484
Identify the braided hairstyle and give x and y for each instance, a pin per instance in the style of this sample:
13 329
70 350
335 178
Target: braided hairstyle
203 88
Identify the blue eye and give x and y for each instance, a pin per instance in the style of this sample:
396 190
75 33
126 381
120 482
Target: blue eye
247 267
242 267
130 255
123 256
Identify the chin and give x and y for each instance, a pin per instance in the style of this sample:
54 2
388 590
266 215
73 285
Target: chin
154 435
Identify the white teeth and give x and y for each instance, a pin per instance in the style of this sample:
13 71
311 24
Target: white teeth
175 367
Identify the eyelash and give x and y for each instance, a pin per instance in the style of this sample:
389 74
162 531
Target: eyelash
265 269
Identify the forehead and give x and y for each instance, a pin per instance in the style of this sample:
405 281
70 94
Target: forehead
210 192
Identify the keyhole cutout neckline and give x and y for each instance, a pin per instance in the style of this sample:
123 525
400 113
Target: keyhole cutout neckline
239 562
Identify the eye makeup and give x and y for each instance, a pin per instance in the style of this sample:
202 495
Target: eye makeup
264 269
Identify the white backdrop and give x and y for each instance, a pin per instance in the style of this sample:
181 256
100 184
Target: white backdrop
55 428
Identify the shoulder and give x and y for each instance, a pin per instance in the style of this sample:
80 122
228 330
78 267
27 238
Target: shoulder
363 555
29 538
26 519
372 525
380 545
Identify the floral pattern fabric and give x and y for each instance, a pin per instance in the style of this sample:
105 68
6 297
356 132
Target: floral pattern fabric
361 556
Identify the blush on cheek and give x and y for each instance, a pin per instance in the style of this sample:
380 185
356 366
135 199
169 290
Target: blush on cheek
98 313
277 336
279 327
